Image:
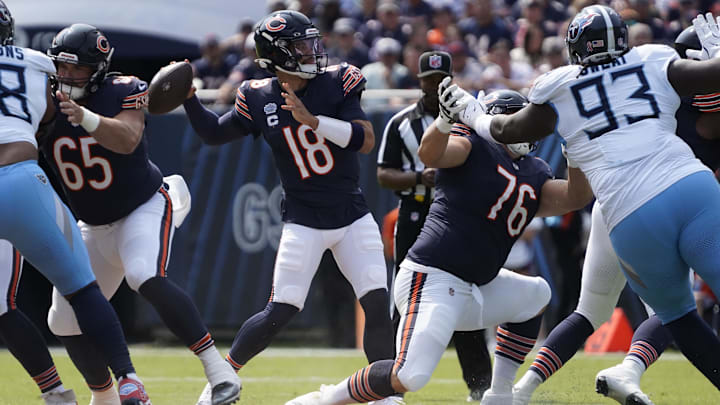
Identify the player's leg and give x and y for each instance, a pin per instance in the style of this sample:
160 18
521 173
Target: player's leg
474 361
298 257
602 282
519 319
22 338
41 227
85 354
430 315
657 242
360 259
143 241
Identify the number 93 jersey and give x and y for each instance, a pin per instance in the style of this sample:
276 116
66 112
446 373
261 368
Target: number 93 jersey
618 120
320 179
102 186
23 92
480 209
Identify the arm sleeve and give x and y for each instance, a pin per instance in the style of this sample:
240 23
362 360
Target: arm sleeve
390 150
212 129
353 84
707 102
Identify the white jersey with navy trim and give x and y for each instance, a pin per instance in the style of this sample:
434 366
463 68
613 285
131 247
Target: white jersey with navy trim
618 120
23 92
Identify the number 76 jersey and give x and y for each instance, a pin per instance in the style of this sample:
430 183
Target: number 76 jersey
618 120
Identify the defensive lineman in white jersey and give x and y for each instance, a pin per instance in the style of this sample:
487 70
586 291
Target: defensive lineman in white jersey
35 221
615 109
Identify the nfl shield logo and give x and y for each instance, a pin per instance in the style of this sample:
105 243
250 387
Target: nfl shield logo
435 61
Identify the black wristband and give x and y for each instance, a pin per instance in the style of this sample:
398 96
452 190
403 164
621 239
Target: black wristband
418 177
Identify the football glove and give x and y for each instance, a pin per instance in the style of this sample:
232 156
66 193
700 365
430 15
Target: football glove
451 104
708 32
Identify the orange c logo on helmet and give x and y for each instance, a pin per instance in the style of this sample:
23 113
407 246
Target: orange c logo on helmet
102 44
276 23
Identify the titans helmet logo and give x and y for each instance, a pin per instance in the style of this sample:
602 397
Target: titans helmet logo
579 24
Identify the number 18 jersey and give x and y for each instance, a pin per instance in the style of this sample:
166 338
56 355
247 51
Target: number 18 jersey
618 120
23 92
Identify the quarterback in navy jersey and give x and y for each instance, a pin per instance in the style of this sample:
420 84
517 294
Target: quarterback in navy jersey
125 207
452 278
310 115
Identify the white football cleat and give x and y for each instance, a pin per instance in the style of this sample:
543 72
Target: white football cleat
312 398
205 396
521 396
66 397
491 398
393 400
622 385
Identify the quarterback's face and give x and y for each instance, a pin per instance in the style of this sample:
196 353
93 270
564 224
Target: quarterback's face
74 75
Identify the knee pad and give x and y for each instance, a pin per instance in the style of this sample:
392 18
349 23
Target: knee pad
543 293
61 317
138 271
413 381
278 314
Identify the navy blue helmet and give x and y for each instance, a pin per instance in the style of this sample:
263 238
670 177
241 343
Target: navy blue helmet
509 102
596 35
7 25
288 41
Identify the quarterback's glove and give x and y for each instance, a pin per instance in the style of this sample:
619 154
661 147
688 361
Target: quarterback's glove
451 103
708 32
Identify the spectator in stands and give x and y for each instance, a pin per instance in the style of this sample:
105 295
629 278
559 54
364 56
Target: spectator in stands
213 68
344 45
306 7
328 11
443 19
503 73
417 11
546 14
554 54
482 26
276 5
681 15
387 72
234 46
467 71
528 47
642 11
246 69
639 34
411 59
387 25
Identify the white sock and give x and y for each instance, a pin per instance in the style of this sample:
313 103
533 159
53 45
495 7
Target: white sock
110 396
133 376
634 365
217 370
338 394
529 382
504 371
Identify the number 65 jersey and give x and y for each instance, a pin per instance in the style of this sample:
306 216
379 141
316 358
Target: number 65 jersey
320 179
618 120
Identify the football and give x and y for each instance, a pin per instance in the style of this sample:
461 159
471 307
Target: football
169 87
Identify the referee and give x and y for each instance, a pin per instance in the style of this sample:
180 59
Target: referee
400 169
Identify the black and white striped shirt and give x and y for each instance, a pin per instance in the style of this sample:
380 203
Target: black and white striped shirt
400 142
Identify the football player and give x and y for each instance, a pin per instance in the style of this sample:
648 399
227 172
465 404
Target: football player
124 206
603 280
659 202
36 222
310 115
452 278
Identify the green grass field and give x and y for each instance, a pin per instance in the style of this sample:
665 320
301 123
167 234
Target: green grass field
173 376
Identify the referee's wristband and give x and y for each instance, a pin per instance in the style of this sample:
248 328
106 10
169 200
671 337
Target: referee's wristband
418 178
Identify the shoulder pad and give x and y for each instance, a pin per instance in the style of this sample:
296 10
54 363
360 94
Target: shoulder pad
38 60
651 52
545 85
350 76
134 92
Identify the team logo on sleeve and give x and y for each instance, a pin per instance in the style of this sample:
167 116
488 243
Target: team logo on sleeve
578 26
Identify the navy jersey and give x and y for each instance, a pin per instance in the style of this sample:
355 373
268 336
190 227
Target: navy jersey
708 151
320 179
102 186
480 209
